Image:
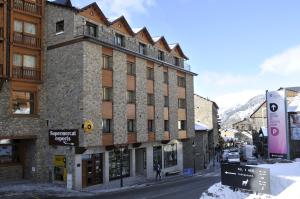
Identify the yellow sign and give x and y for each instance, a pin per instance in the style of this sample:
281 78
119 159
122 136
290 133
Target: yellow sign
59 161
88 126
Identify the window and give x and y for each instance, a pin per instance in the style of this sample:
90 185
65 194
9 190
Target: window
176 61
181 125
166 103
150 125
130 68
107 126
150 73
150 99
107 94
8 152
166 125
161 55
17 60
170 155
91 29
130 97
114 164
119 40
181 103
142 49
131 125
24 60
181 81
166 78
60 27
18 26
23 103
107 62
26 27
157 156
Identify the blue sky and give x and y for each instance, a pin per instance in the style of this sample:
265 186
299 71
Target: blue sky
239 48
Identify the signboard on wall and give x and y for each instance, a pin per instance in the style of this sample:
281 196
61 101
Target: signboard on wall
246 177
66 137
277 135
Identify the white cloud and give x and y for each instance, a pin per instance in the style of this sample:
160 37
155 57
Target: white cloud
286 63
223 79
116 8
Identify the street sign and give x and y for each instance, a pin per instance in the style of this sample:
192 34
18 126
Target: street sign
245 177
67 137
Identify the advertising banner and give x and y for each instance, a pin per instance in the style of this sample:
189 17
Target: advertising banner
277 135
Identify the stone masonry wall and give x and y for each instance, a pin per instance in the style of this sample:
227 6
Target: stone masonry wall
159 101
173 104
190 113
141 100
203 111
120 97
92 92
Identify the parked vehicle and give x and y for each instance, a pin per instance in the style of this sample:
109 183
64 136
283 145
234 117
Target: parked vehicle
252 161
225 155
234 158
248 151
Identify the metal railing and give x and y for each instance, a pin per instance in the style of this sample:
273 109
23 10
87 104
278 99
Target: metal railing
187 67
27 6
27 40
26 73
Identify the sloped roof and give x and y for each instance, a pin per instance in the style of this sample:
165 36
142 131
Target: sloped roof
177 46
124 21
162 38
67 3
201 127
144 29
95 5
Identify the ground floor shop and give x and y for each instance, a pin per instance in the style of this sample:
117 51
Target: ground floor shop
102 165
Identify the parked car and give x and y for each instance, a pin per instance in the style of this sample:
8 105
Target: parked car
252 161
225 155
234 158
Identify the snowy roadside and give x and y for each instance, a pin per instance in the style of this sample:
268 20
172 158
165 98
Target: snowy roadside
285 184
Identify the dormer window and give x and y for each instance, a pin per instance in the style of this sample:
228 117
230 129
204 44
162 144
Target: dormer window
120 40
142 48
176 61
161 55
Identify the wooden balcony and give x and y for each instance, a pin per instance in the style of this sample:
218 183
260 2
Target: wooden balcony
26 73
28 6
27 40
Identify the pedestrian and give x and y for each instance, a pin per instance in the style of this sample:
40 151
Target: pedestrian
158 171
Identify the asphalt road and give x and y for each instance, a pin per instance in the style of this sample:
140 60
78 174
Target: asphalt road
187 188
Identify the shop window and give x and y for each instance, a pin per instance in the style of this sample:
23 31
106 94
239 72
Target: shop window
150 73
130 68
60 170
107 94
157 156
107 62
23 102
8 152
170 155
115 164
107 126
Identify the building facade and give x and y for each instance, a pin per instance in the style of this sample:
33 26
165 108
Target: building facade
133 90
22 127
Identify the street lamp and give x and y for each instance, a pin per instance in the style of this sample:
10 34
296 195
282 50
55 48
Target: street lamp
194 145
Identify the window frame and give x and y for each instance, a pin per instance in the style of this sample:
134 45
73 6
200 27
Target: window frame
170 152
161 55
150 99
107 62
181 103
132 68
34 101
131 97
150 126
120 38
142 48
109 93
181 81
166 125
150 73
93 26
166 101
182 125
60 30
131 126
110 126
166 77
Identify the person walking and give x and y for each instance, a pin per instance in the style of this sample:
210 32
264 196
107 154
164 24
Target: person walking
158 172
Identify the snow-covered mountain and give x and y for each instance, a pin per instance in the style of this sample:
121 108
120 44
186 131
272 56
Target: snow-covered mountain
239 112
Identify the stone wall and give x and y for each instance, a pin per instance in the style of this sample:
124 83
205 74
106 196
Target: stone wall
173 104
11 172
190 113
159 102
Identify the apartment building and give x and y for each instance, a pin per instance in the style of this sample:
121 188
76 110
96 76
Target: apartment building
22 133
126 96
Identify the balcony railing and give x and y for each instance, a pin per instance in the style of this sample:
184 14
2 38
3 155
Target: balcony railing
27 6
26 73
27 40
187 67
1 33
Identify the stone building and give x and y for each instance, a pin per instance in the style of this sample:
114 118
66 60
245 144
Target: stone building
22 101
129 97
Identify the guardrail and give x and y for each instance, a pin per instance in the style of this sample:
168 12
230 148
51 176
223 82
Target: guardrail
26 73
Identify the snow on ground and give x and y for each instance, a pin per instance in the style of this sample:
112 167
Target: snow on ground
285 184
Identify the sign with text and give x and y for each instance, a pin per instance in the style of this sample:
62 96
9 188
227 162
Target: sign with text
245 177
277 135
67 137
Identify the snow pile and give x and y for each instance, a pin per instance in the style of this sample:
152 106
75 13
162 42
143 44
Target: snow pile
285 184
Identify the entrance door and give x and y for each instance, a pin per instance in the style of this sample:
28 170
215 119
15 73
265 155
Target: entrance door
140 161
92 169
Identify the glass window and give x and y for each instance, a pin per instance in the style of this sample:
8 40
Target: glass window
176 61
181 103
18 26
119 40
170 155
23 102
166 125
17 60
150 73
130 97
115 164
29 61
107 62
181 125
131 125
142 48
150 99
60 27
161 55
157 156
166 78
130 68
8 151
181 81
150 126
91 29
166 103
107 126
107 94
29 28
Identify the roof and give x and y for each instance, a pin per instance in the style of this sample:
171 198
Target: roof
95 5
66 3
201 127
214 103
144 29
177 46
162 38
294 106
124 21
257 108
